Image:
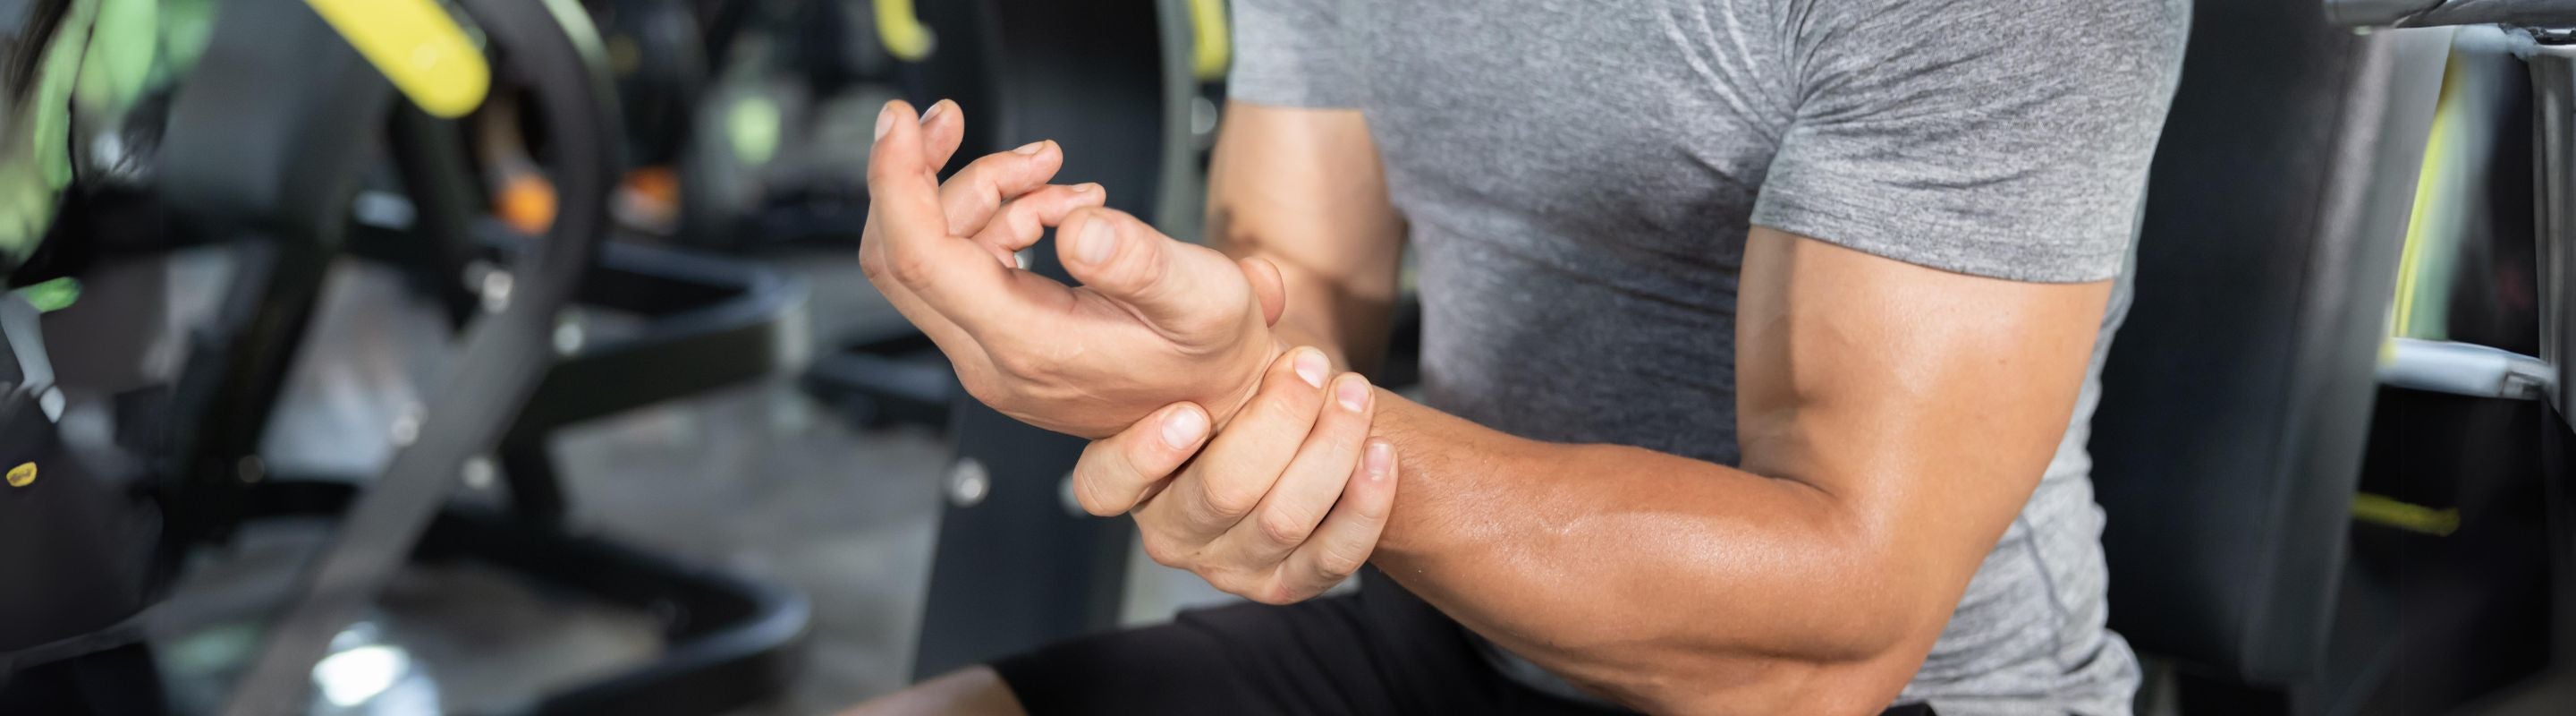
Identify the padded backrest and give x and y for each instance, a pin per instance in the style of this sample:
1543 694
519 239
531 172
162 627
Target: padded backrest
2237 397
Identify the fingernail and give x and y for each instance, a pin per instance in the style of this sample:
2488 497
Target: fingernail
1085 188
1353 392
1380 460
935 109
885 120
1184 429
1030 148
1311 366
1097 242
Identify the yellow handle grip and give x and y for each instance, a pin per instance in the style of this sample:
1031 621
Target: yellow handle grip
415 44
901 31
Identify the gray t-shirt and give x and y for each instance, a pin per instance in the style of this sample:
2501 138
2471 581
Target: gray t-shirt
1579 176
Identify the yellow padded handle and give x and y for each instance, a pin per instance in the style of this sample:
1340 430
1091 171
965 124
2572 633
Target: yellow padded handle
418 46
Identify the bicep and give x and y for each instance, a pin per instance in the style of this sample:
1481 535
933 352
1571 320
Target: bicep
1927 403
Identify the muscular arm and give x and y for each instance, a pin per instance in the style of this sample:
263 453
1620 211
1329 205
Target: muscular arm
1893 419
1303 189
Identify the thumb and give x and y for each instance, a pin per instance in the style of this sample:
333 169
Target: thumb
1268 287
1180 288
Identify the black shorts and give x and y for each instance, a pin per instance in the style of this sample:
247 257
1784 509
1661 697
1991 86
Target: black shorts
1381 651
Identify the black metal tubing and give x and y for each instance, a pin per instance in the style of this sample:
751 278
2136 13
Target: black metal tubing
897 377
732 641
270 164
2553 78
1015 567
503 356
726 322
444 199
711 324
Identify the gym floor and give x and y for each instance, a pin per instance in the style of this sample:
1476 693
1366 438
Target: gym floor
757 479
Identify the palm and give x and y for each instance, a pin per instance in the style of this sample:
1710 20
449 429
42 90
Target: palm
1158 321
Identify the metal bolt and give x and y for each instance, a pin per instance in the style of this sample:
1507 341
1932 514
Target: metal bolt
478 473
496 290
249 469
968 483
568 335
406 427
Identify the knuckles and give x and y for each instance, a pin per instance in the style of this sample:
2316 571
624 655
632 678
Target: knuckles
1161 549
1284 527
1230 500
873 264
1340 562
909 268
1088 492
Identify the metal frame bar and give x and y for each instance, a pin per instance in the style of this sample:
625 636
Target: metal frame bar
1016 565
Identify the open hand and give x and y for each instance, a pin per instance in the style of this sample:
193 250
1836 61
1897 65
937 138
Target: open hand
1156 320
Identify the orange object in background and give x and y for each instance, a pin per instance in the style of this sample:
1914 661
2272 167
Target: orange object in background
526 202
658 185
649 200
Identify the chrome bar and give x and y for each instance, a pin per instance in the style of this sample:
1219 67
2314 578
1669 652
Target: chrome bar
2464 369
2434 13
2553 78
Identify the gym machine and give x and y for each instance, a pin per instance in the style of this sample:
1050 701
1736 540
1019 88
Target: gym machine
2545 34
283 175
2242 402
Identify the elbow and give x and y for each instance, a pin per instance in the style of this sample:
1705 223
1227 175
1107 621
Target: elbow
1857 689
1860 674
1857 633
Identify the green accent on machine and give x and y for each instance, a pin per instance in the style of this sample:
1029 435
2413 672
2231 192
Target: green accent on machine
752 126
54 295
101 60
35 157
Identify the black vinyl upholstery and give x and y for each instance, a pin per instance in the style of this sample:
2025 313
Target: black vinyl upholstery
2237 397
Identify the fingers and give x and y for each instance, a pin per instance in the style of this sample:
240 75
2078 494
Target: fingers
1116 472
970 197
1349 535
943 127
1237 469
1313 481
1022 221
907 243
1268 287
1181 288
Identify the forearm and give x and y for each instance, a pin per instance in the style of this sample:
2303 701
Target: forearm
1657 580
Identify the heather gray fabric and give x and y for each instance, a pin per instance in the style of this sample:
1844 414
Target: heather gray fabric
1579 177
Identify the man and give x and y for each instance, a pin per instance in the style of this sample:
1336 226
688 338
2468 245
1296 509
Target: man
1760 337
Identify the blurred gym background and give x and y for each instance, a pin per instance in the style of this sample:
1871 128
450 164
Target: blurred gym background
511 356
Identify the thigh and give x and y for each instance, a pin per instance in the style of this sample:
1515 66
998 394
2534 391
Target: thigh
1379 652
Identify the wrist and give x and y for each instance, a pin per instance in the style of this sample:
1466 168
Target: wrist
1223 415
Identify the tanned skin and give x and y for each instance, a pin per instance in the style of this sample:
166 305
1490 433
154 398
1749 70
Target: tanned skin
1893 419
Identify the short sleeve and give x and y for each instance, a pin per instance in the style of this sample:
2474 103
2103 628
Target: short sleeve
2001 139
1292 53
